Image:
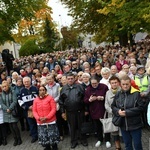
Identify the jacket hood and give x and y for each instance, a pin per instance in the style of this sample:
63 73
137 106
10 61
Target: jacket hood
132 90
140 76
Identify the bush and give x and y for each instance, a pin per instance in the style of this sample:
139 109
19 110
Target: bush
29 48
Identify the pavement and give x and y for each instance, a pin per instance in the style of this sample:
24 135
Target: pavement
65 144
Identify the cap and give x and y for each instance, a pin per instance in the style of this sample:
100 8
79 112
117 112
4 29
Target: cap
140 66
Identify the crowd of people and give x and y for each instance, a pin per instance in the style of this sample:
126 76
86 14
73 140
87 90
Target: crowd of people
55 93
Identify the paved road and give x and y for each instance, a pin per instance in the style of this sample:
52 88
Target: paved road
65 144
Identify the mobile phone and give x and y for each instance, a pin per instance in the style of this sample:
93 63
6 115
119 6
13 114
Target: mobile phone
94 94
122 108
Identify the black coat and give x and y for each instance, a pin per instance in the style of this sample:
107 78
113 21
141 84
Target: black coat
71 98
133 105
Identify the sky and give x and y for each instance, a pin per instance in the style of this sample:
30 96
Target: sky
60 13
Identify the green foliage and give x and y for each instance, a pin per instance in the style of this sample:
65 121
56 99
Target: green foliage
12 12
108 20
70 36
49 37
29 48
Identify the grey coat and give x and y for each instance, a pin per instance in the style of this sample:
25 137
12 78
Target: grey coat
8 101
108 101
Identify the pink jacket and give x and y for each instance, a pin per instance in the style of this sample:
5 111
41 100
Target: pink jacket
45 107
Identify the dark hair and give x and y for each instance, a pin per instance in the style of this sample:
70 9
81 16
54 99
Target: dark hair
70 74
95 78
114 78
43 87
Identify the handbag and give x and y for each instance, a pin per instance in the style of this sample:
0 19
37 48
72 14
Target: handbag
15 112
108 126
117 120
30 114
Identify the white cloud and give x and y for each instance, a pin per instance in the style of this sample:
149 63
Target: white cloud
60 13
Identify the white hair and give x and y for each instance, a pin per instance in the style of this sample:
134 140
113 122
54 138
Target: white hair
27 78
15 74
105 70
86 64
86 74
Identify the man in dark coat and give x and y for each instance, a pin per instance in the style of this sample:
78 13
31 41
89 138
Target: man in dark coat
71 102
129 106
8 59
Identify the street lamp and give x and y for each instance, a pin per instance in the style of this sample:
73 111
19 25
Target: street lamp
60 34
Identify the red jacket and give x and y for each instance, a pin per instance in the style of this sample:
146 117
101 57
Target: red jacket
45 107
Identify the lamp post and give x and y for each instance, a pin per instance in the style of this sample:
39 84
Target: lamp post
60 35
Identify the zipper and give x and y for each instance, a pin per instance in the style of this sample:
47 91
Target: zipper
125 109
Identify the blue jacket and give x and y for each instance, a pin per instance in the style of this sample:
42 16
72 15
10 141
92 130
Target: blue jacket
26 97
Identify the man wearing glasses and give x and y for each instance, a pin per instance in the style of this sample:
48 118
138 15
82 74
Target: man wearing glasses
75 67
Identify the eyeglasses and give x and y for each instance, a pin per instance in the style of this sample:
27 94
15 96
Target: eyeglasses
70 78
94 83
74 64
79 75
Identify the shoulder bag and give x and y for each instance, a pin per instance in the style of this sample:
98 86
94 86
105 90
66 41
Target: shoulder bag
108 126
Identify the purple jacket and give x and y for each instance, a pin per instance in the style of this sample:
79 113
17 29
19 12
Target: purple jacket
97 108
119 66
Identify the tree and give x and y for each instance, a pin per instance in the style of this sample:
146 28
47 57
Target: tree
110 20
13 11
49 37
70 37
29 48
33 27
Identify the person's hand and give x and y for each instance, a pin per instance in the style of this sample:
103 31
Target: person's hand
8 110
122 113
43 119
142 94
63 115
92 98
86 113
100 98
30 108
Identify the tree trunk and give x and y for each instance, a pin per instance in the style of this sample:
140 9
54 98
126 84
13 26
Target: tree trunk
131 40
123 39
113 41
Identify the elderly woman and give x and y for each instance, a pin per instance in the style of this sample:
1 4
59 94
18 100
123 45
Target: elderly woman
3 132
79 80
114 83
105 72
95 97
44 111
58 69
53 89
45 72
86 80
14 77
8 103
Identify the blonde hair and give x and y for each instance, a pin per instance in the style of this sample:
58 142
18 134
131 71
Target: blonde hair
5 82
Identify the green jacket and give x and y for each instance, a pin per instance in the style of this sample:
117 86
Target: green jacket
8 101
